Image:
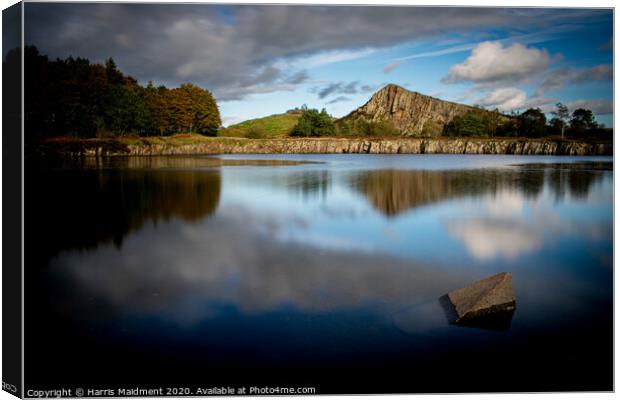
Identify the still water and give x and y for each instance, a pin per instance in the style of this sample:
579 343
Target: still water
318 270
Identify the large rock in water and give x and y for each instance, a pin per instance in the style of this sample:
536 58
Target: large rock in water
485 298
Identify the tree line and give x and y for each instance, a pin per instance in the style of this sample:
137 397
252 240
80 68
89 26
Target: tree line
531 123
478 122
79 98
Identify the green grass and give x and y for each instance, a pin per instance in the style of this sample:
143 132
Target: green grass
273 126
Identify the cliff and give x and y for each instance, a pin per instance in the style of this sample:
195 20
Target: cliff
94 147
411 113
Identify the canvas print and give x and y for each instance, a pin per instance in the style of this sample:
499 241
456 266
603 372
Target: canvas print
244 199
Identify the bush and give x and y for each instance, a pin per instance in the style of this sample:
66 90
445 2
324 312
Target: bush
314 123
375 128
256 133
431 128
472 123
343 128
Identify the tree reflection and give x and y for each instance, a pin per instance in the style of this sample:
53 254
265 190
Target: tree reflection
393 192
83 208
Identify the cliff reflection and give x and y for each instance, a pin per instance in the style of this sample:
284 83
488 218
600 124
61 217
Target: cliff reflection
393 192
83 208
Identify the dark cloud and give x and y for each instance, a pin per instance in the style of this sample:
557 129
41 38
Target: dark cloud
598 106
342 88
556 79
232 50
298 77
239 50
337 88
599 73
338 100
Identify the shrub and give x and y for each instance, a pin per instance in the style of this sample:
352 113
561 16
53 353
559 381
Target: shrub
375 128
472 123
256 132
314 123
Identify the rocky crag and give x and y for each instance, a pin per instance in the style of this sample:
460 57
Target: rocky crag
411 113
93 147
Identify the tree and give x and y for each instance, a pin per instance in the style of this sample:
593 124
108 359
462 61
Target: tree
345 128
532 123
582 120
561 117
74 97
155 100
313 123
206 116
124 110
469 124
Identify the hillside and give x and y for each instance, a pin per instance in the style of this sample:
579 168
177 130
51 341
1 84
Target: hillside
273 126
411 113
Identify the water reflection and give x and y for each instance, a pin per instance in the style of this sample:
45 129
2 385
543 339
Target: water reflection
574 180
308 185
229 259
168 265
165 162
393 192
487 239
82 209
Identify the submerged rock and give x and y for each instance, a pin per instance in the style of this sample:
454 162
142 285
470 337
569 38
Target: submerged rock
490 297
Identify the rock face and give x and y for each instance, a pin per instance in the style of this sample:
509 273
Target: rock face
411 113
94 147
484 298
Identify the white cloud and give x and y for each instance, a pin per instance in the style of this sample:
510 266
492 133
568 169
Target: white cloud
491 62
332 57
442 52
505 99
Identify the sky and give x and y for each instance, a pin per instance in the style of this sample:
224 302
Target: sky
260 60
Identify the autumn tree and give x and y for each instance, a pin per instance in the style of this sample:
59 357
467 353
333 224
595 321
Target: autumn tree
74 97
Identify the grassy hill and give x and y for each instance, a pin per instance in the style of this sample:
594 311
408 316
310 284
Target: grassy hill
273 126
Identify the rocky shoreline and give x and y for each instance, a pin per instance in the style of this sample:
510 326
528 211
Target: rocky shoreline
95 147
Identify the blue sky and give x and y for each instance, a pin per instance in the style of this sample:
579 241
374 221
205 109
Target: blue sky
262 60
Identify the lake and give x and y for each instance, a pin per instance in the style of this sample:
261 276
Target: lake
317 270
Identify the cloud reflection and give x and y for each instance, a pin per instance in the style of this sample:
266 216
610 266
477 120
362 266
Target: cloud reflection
227 260
487 239
509 225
